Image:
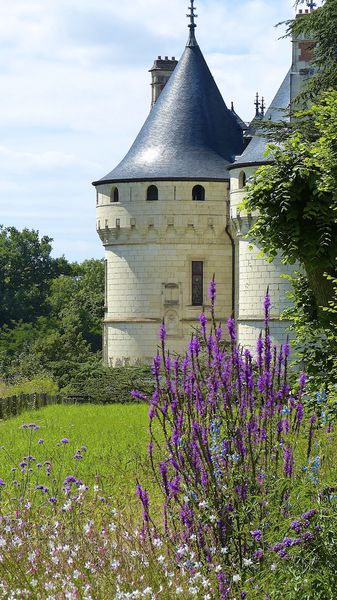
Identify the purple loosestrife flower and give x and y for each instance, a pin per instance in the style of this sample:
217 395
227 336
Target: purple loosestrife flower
156 364
162 332
266 306
212 292
288 463
138 395
302 380
259 351
231 330
194 346
299 414
144 498
203 323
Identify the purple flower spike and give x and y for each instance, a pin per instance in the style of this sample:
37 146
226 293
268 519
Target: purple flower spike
212 291
288 464
138 395
231 329
303 380
40 441
65 441
2 483
162 332
266 305
203 322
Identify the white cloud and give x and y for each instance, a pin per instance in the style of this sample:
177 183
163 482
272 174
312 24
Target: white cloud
75 92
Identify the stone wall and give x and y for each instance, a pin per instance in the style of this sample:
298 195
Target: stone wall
149 249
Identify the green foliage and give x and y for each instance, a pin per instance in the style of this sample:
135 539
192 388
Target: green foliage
296 197
26 270
51 312
100 384
315 347
40 384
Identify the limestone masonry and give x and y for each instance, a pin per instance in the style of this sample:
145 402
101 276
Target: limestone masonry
169 214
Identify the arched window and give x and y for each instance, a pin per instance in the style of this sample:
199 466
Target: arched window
242 180
198 193
114 196
152 193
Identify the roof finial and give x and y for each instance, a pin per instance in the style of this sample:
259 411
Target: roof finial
192 25
263 106
257 105
311 4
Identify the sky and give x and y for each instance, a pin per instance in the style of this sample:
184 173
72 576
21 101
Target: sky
75 91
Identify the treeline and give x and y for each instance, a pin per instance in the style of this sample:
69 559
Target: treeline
51 314
50 310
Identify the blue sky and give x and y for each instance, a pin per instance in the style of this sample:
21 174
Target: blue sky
75 90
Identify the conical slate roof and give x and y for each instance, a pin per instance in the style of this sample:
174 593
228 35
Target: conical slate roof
254 153
189 134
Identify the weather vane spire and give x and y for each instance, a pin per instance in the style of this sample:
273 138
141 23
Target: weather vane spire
192 25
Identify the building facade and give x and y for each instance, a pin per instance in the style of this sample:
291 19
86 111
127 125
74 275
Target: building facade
169 214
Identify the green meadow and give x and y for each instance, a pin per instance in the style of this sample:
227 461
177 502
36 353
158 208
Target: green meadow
115 438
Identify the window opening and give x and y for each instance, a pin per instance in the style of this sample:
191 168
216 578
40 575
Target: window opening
242 180
152 193
197 283
198 192
114 196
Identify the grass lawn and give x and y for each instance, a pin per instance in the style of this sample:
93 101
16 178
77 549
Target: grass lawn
115 437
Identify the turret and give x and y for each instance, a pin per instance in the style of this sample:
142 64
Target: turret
254 274
162 215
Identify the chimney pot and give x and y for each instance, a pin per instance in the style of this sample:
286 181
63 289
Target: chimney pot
173 57
159 57
166 57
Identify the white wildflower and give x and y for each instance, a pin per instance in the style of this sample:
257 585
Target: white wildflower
247 562
273 567
236 578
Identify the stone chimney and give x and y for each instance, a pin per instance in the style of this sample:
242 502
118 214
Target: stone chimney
302 58
161 72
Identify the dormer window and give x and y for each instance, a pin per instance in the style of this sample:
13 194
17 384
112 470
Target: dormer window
152 193
242 180
114 196
198 192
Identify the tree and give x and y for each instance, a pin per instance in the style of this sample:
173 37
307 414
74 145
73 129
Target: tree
296 197
26 270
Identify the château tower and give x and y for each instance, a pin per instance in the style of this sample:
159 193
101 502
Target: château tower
168 215
254 273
